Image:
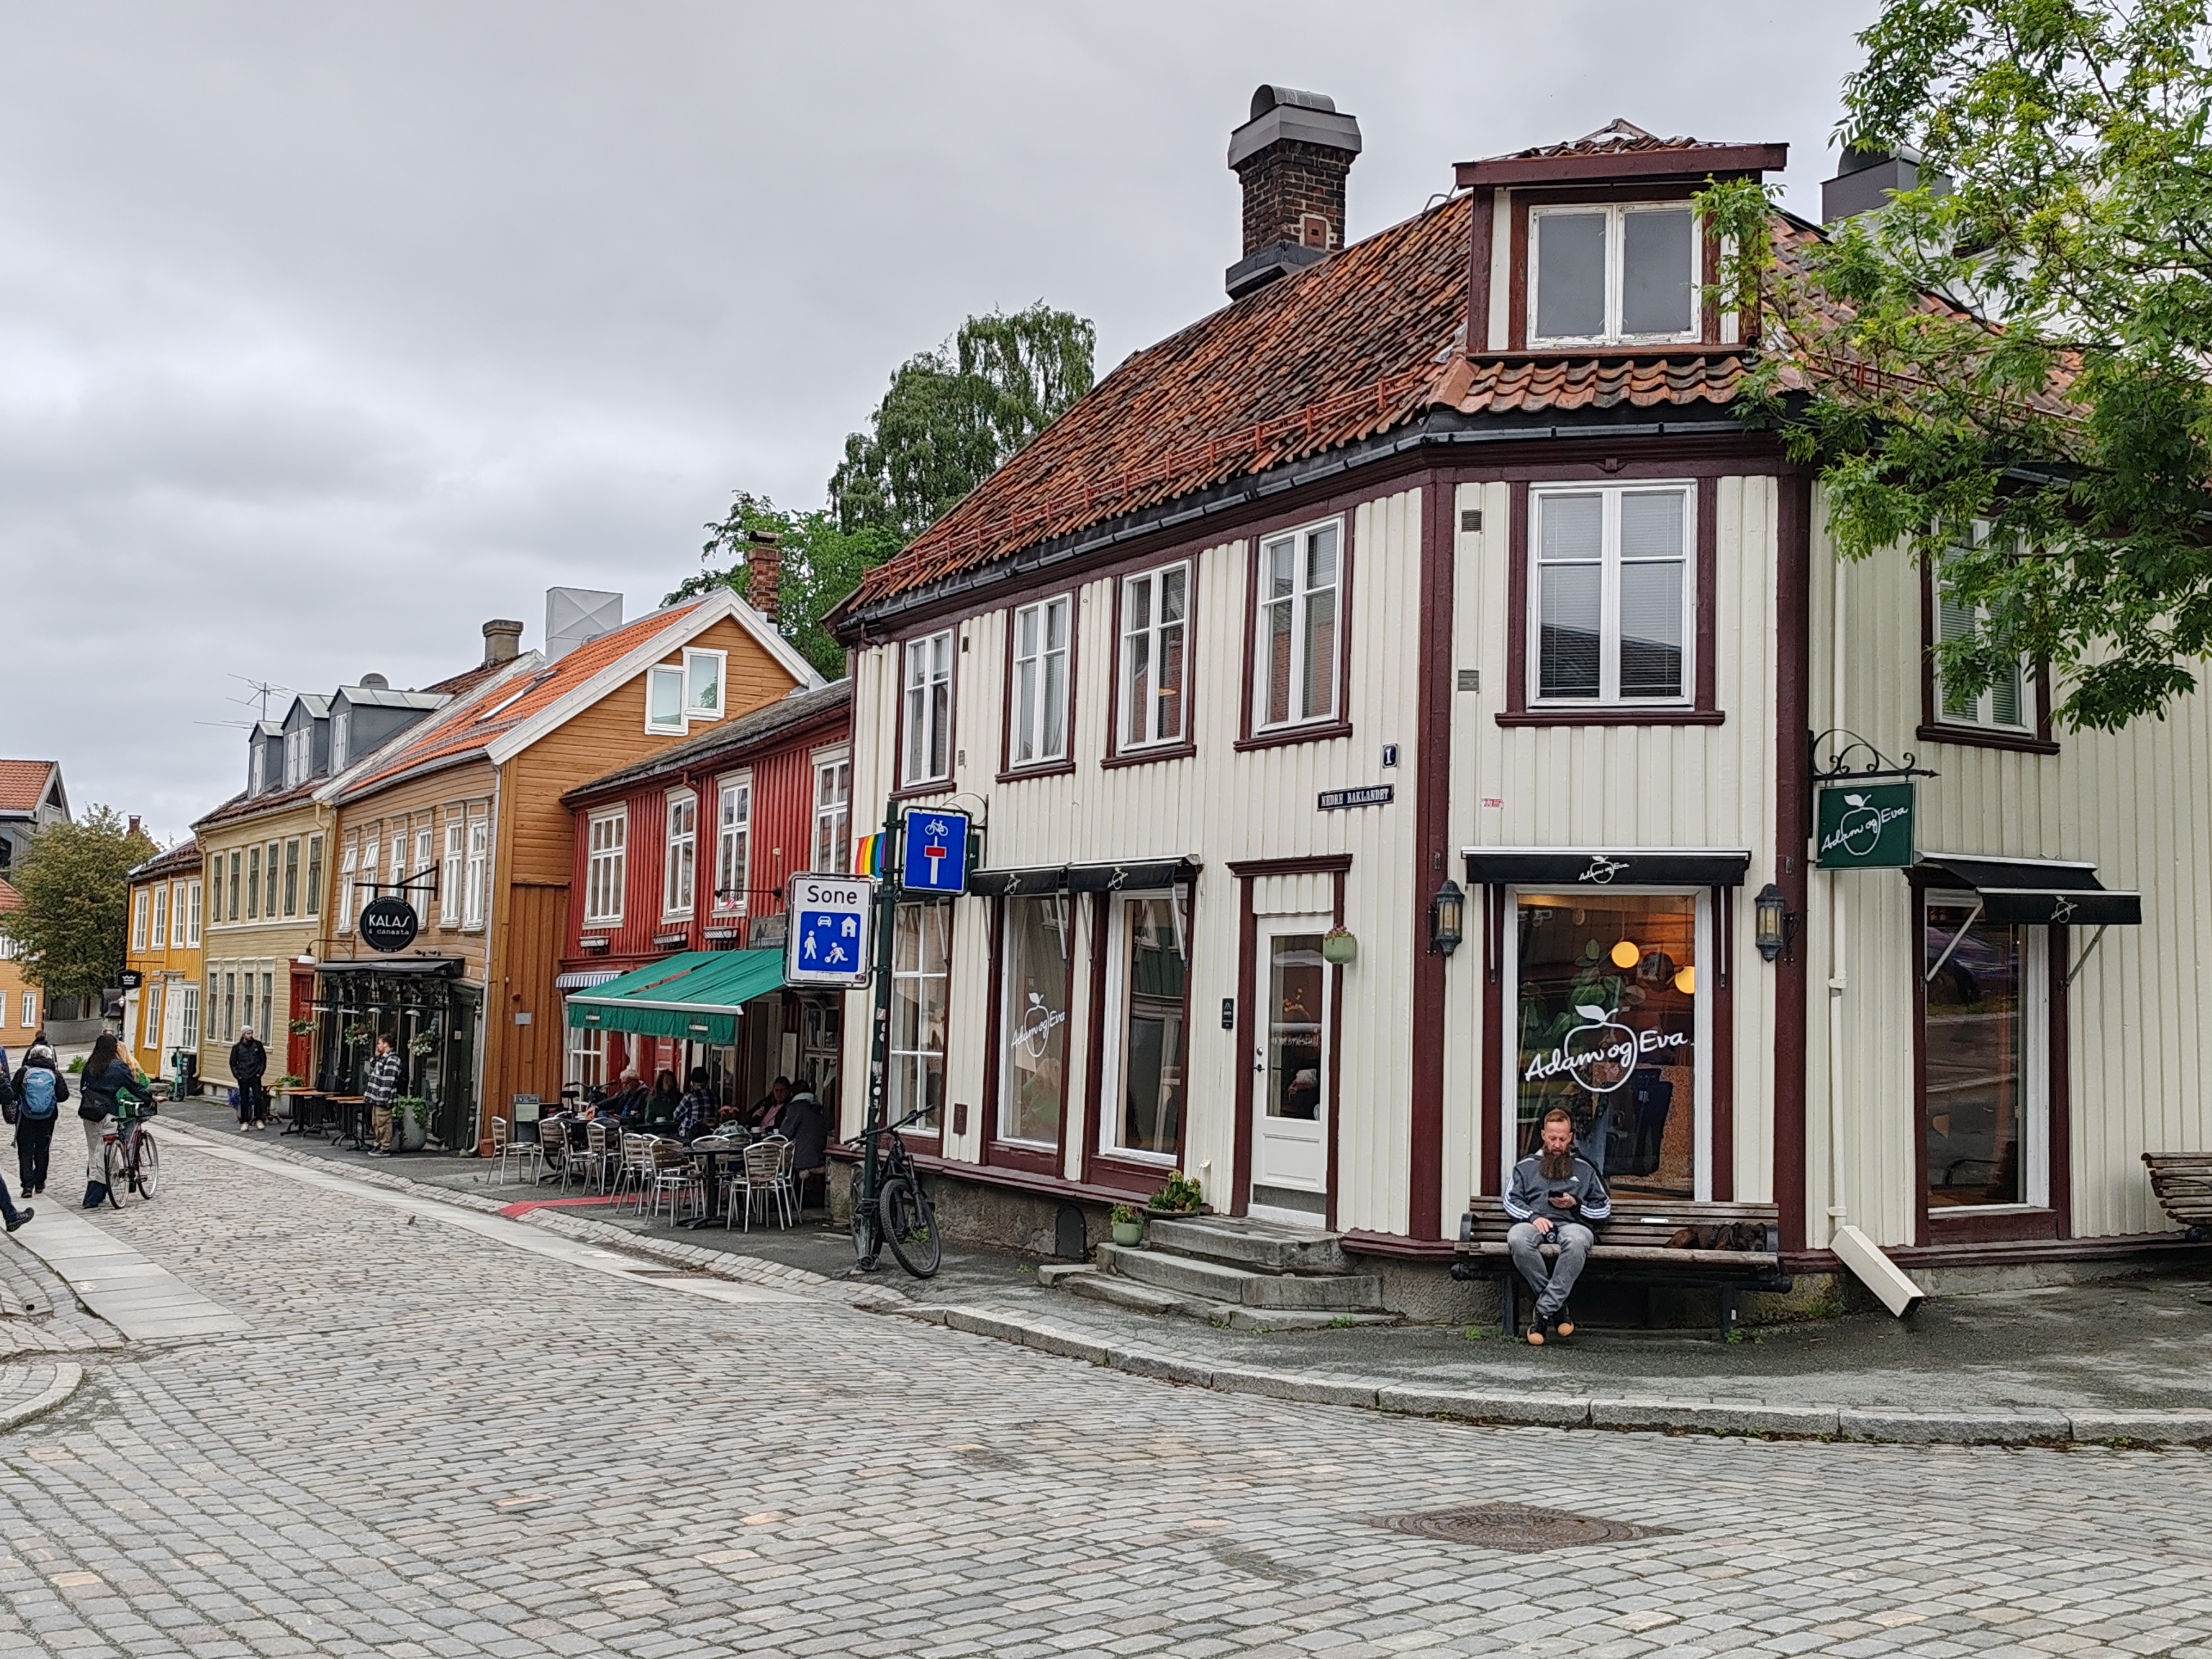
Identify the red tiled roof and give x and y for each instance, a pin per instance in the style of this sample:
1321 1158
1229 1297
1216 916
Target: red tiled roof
23 784
185 856
9 898
243 805
1616 137
467 726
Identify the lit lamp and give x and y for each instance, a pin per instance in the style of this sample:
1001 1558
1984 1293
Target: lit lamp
1771 920
1447 917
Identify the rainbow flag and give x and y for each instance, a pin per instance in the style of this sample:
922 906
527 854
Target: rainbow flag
868 855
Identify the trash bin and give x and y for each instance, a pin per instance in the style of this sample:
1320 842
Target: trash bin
187 1065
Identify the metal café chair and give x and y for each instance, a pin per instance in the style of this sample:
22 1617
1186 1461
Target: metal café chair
635 1171
675 1175
507 1149
763 1169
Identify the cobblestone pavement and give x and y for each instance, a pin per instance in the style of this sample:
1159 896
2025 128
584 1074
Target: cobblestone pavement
429 1443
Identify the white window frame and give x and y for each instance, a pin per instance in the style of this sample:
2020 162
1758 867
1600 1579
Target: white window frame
253 882
925 700
585 1057
295 748
151 1037
257 768
907 1064
30 1010
159 938
833 818
311 878
1982 716
734 839
199 898
1117 1022
606 866
293 873
694 658
140 905
1299 602
680 855
400 840
188 1030
370 847
1031 699
1609 693
341 739
477 877
271 886
2035 1063
449 876
670 674
1616 244
342 899
1139 731
423 872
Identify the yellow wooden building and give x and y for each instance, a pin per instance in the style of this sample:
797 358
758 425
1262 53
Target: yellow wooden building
161 1010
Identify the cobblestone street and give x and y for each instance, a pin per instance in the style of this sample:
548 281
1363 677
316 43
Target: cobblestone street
430 1442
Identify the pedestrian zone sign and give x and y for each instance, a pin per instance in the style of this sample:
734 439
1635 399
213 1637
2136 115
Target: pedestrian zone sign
828 942
935 851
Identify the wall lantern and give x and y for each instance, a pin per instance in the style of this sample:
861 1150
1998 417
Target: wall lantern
1772 921
1447 917
1339 948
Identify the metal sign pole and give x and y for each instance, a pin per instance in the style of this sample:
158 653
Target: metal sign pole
879 1037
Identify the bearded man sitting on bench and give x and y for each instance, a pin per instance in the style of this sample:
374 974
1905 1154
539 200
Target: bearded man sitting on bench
1553 1198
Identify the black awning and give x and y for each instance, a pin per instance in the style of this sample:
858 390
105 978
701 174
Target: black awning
442 967
2036 891
1137 876
1608 866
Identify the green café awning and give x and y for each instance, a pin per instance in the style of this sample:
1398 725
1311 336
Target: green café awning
694 994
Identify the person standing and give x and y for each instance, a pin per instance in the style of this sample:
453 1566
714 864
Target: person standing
249 1064
1553 1197
108 1078
41 1092
380 1087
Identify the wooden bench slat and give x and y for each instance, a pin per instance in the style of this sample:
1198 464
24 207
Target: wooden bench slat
1656 1256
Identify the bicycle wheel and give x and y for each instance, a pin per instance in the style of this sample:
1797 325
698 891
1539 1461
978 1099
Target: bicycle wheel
865 1244
113 1173
909 1225
149 1166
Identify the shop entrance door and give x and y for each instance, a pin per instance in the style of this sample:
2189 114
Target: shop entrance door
1292 1108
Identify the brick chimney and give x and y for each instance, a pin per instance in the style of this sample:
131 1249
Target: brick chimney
1292 156
502 640
764 571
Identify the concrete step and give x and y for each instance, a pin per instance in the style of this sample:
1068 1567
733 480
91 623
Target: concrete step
1119 1292
1260 1246
1217 1282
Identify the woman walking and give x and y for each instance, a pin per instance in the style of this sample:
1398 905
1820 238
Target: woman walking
40 1092
107 1078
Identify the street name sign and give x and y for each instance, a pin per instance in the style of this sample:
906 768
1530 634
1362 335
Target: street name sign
829 938
1864 826
934 851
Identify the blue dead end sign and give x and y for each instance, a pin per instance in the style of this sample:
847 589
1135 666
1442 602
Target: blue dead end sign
935 851
828 942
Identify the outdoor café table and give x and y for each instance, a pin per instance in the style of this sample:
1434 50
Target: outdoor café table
709 1154
352 1112
308 1106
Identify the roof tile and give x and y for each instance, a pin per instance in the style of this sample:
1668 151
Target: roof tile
23 784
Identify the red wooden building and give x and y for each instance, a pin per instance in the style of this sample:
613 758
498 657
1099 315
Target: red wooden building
688 852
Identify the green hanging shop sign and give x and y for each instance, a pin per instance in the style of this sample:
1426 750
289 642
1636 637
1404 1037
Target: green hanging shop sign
1864 826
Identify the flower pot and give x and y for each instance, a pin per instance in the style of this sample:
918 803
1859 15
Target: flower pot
1177 1215
1127 1233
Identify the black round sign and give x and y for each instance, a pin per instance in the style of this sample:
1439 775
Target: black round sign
388 924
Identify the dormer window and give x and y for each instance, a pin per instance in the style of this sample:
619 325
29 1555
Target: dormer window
256 768
341 739
1613 275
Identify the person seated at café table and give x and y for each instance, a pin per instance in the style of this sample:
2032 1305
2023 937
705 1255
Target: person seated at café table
626 1104
808 1127
695 1113
660 1104
770 1112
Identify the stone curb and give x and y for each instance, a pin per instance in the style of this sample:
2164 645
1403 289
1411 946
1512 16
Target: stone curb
67 1378
2014 1426
723 1264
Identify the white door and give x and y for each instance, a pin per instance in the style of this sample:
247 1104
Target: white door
1290 1061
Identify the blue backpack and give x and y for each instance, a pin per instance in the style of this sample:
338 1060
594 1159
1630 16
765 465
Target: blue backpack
36 1091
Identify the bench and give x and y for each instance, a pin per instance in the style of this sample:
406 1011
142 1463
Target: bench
1635 1244
2182 1183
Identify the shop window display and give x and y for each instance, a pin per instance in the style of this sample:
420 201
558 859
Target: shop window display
1608 1029
1974 1032
1033 1058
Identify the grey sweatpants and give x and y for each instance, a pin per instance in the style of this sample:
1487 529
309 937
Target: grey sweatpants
1553 1281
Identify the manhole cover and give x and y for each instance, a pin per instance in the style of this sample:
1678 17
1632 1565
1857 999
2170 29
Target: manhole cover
1517 1527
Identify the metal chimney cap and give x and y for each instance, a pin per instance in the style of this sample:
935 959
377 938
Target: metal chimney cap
1305 117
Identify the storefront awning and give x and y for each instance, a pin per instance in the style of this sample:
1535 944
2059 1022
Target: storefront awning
1137 876
694 994
443 967
583 979
1608 866
2035 892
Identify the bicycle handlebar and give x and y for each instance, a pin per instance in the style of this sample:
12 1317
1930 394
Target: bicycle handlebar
914 1116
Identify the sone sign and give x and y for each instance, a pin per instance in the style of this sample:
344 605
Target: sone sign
828 943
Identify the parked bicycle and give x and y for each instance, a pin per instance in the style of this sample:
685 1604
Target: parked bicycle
128 1156
902 1216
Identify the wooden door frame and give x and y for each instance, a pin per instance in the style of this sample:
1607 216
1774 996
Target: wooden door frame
1335 865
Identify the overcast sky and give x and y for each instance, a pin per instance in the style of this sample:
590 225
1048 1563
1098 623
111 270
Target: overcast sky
328 331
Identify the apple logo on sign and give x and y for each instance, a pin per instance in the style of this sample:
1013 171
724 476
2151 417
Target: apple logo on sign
1860 829
1601 1054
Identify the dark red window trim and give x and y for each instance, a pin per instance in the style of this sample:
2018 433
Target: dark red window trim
1116 1167
1933 728
1009 772
1143 754
1250 735
1516 303
1016 1154
943 786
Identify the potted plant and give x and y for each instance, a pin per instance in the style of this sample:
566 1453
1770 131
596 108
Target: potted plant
411 1123
359 1033
1180 1197
1128 1226
301 1028
420 1045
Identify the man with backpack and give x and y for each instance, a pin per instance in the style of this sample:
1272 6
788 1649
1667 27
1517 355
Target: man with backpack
40 1090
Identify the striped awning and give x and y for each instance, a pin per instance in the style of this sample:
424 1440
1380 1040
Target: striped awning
583 979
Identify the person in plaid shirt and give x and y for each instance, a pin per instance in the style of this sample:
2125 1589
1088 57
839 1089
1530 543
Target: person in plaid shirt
378 1086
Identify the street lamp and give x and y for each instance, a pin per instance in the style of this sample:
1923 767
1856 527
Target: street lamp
1771 913
1447 917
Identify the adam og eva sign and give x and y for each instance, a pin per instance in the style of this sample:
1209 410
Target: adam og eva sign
1864 826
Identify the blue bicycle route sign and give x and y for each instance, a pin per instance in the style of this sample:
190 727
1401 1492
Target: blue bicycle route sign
934 850
828 942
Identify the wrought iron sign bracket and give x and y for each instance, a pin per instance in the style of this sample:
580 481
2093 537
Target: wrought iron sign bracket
1844 765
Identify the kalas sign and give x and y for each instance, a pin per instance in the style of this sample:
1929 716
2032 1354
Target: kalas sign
1865 826
1601 1056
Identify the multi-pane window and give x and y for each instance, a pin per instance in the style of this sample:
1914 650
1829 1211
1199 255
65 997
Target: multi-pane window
297 749
605 860
2003 705
269 878
424 872
188 1031
1040 697
30 1010
252 883
230 1007
192 939
927 710
588 1057
478 874
449 880
268 1004
833 813
153 1032
256 767
236 861
341 739
342 899
365 878
1155 617
1299 576
314 874
733 823
161 935
1613 274
680 861
398 860
922 979
292 877
138 906
1612 617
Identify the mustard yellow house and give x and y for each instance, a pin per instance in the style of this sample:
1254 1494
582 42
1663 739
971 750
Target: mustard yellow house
162 1012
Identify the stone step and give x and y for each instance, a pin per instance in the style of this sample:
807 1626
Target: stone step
1217 1282
1262 1246
1095 1286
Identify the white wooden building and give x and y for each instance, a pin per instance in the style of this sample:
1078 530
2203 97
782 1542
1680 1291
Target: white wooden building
1442 558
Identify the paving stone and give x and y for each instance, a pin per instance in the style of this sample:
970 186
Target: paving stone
1550 1411
1966 1428
1717 1417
